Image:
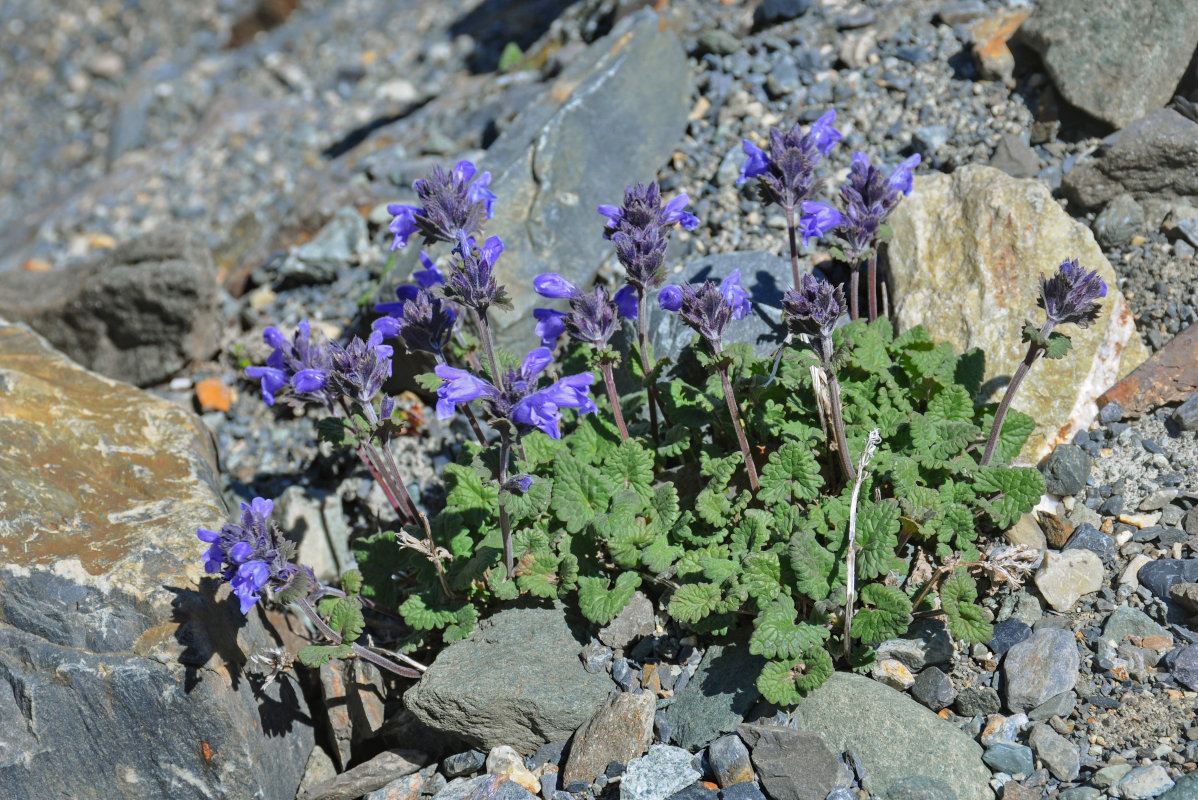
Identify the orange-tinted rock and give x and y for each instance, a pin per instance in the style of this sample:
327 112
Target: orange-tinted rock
213 395
990 38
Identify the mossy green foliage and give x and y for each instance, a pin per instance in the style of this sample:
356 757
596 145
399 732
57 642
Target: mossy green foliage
605 517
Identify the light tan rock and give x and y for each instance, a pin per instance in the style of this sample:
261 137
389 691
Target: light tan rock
1028 532
1064 577
620 731
965 262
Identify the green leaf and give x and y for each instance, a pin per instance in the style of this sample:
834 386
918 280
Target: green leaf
528 505
542 449
816 570
885 613
469 495
939 440
429 381
1016 428
877 537
580 492
630 466
952 403
970 371
713 506
500 586
775 634
315 655
335 431
510 57
344 615
417 612
966 620
1058 345
600 602
593 439
1018 490
538 575
351 582
658 556
378 558
463 623
791 474
761 575
694 601
785 683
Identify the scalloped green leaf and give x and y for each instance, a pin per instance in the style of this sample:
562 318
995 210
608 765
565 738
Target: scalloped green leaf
658 556
1016 428
885 613
315 655
417 612
344 615
694 601
791 474
952 403
599 601
785 683
776 635
816 569
630 466
966 620
1016 490
580 492
537 575
761 575
463 623
877 537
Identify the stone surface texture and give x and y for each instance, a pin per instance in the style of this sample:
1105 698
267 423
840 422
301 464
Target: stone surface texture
1043 666
545 700
792 765
718 696
139 314
990 237
108 622
1116 84
621 731
894 736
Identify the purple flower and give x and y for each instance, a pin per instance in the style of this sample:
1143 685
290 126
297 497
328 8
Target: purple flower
473 283
250 556
593 316
818 220
786 173
869 198
813 309
360 367
1072 294
709 308
640 231
451 204
302 362
423 321
520 402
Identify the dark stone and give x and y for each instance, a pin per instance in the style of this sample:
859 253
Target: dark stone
771 12
1014 157
1186 414
1183 665
139 315
365 778
554 171
1122 219
975 700
718 697
729 760
466 763
696 791
1090 538
1111 507
1007 634
1159 575
1111 412
1039 668
1056 752
920 787
1122 84
1065 470
625 674
934 689
792 765
1059 705
1013 759
321 259
1186 788
742 791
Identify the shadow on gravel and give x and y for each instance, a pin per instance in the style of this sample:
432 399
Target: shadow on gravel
496 23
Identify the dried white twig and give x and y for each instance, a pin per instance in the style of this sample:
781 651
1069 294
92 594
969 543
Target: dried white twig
871 444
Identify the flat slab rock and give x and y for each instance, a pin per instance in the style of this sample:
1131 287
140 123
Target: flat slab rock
516 680
107 622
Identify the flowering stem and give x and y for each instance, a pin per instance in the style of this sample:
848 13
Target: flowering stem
872 287
386 471
854 290
473 420
842 445
794 246
484 335
730 398
1033 352
610 380
851 557
359 650
505 525
643 331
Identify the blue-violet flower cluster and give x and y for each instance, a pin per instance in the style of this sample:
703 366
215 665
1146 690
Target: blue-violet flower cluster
250 556
869 197
1072 294
709 308
640 231
451 204
786 173
593 315
423 321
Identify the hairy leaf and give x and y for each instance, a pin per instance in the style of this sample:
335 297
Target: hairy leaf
952 403
694 601
580 492
877 537
816 570
599 601
966 619
1017 490
776 635
344 615
791 474
630 466
315 655
658 556
537 575
761 575
885 613
469 495
785 683
418 612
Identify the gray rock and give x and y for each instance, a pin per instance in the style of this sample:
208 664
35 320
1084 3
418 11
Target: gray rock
931 138
1014 157
718 42
467 763
792 765
975 700
1090 538
1143 782
1059 705
109 627
696 791
934 689
1125 621
1066 469
484 787
1063 578
920 787
1186 788
1081 793
1116 84
960 12
1122 219
718 697
1035 670
140 314
1109 776
742 791
1161 574
1186 414
552 171
365 778
659 774
1157 156
926 643
620 731
633 622
729 759
353 693
1183 665
1013 759
544 694
333 248
1007 634
1191 522
1185 595
1055 751
771 12
893 736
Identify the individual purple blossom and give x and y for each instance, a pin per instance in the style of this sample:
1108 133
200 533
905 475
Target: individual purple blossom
593 315
472 283
869 197
520 401
786 173
709 308
1072 294
420 319
250 556
818 220
813 308
640 231
451 204
302 362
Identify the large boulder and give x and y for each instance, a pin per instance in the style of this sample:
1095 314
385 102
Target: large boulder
120 662
611 118
139 314
1116 60
965 262
516 680
895 737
